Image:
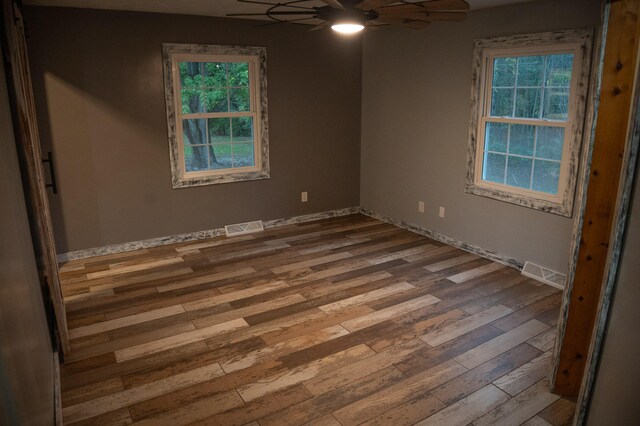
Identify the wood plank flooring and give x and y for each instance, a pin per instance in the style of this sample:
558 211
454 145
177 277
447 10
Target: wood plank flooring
343 321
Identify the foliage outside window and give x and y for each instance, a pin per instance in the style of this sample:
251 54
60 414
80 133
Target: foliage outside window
216 113
526 129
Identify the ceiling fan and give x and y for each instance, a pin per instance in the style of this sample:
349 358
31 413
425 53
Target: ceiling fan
351 16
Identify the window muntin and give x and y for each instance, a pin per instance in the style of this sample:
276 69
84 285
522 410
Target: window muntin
217 119
527 123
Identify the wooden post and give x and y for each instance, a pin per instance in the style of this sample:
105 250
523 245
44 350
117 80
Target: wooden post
618 76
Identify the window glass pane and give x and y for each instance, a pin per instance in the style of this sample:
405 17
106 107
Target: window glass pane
215 74
221 156
496 137
558 70
519 172
550 142
216 100
219 130
242 129
238 74
239 99
190 74
194 131
556 103
493 167
243 155
530 71
521 139
502 103
192 101
527 103
504 72
195 158
545 176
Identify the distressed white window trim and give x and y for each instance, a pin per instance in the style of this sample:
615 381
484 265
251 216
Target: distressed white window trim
562 204
179 178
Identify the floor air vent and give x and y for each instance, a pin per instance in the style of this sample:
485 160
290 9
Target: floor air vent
243 228
542 274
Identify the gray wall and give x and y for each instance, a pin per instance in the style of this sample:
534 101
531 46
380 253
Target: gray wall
26 357
98 84
416 112
615 394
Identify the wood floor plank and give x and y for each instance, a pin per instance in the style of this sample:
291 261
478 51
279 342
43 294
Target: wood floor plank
113 324
467 409
484 374
134 268
300 374
195 411
343 376
519 408
444 334
206 279
236 295
502 343
526 375
383 400
390 312
179 340
246 360
475 272
127 397
365 297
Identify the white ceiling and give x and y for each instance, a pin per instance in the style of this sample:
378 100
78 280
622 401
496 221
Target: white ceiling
205 7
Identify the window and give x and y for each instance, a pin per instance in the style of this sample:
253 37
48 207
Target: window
216 113
528 105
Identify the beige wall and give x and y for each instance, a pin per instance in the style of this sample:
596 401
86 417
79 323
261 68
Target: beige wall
98 82
615 399
416 97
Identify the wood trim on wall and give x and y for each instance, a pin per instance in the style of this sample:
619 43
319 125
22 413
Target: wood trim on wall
28 141
610 147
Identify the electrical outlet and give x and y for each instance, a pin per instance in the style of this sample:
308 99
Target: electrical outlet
421 206
304 197
441 212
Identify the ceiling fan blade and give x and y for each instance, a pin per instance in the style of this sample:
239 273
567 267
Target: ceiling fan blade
373 4
320 26
422 16
407 23
443 5
283 13
333 3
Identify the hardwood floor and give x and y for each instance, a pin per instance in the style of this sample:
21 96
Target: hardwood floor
342 321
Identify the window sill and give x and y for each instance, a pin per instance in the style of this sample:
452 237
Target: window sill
561 208
187 182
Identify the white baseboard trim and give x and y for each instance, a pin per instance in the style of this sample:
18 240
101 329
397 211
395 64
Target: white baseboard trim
194 236
478 251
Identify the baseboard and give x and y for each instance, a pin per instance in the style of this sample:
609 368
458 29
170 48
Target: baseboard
200 235
194 236
478 251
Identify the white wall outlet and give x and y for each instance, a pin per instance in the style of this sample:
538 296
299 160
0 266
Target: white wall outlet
304 197
421 206
441 212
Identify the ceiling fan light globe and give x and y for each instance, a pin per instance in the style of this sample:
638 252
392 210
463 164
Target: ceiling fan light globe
347 27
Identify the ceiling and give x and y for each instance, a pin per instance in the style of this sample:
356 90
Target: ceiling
206 7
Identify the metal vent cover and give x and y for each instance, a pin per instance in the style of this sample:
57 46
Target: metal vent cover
243 228
545 275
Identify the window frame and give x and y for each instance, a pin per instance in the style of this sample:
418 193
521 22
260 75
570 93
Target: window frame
577 42
174 53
